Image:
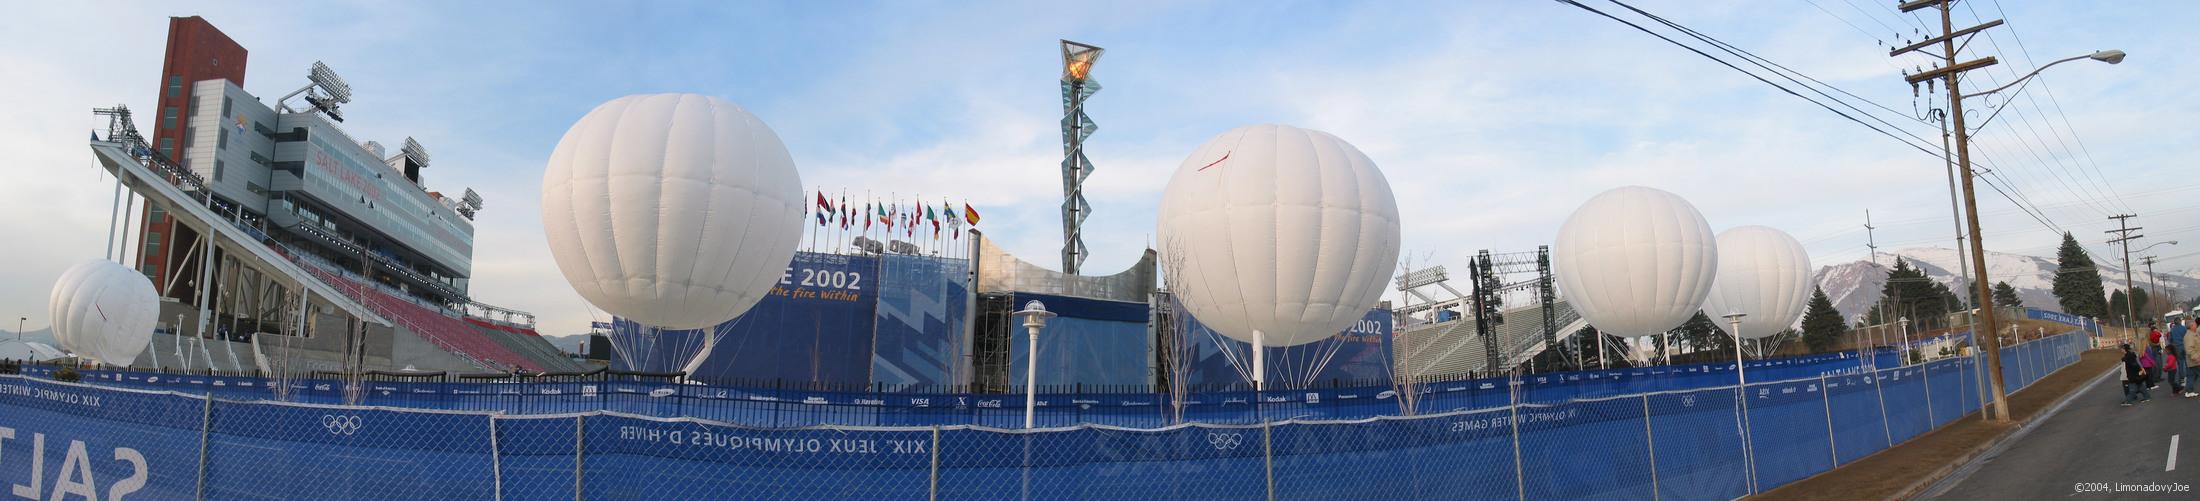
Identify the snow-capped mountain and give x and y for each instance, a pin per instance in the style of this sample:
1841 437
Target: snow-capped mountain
1854 286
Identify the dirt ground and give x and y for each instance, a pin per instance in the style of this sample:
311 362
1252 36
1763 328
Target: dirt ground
1892 471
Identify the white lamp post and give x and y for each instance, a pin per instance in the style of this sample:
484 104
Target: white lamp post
1035 317
1734 324
1905 321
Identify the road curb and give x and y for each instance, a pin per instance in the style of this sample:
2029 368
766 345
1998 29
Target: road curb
1943 479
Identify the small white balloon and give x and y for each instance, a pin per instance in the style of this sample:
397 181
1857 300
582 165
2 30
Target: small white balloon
103 311
1635 261
677 211
1287 231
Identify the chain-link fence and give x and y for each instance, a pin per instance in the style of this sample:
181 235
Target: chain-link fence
62 439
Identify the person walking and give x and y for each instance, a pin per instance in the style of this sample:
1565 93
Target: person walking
2134 378
2176 346
2150 364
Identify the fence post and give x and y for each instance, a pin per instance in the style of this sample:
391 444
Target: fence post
1825 394
935 462
496 459
1927 370
1883 427
1650 439
1520 476
579 423
206 431
1268 457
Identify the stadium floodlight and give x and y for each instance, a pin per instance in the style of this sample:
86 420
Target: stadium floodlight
413 150
334 85
1422 277
1035 317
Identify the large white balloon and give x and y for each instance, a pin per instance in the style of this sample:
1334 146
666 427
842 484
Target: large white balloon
1635 261
103 311
677 211
1763 273
1287 231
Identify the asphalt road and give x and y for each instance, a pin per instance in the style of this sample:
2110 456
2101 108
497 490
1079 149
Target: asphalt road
2094 448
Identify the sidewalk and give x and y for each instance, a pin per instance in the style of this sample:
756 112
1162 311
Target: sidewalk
1914 465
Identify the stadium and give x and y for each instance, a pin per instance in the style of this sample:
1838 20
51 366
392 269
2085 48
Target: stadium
314 336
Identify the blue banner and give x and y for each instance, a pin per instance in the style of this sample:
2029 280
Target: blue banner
922 333
814 327
1360 353
60 440
1089 341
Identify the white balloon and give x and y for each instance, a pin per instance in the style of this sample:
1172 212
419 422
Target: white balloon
103 311
677 211
1287 231
1764 273
1635 261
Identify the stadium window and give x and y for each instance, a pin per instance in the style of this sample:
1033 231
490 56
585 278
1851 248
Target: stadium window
193 108
217 170
221 138
168 147
225 106
168 118
175 85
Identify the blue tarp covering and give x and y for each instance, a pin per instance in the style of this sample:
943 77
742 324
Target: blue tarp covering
1090 341
67 440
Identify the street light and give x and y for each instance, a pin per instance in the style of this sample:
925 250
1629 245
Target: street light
2111 56
1906 347
1962 133
1741 391
1035 317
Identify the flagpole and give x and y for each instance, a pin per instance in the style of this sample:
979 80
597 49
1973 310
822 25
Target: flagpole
812 244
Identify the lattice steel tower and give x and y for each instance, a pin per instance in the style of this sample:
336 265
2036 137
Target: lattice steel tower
1077 84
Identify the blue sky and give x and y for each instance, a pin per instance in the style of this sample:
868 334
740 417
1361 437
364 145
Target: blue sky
1491 119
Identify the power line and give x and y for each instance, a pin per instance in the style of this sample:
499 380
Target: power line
1723 62
2023 203
2087 152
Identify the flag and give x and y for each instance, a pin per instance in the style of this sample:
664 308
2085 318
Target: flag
970 214
824 209
882 217
867 221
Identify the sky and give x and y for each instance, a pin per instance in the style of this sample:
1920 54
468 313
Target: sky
1492 120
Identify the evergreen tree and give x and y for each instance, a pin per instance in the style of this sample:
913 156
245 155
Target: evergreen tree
2004 295
2117 308
1822 325
2144 306
2078 282
1702 334
1909 293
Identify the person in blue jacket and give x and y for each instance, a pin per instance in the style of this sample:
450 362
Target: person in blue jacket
2184 373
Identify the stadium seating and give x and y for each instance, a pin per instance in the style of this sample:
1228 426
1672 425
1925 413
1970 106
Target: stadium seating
527 342
445 331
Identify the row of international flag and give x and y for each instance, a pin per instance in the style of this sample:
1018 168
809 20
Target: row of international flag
891 215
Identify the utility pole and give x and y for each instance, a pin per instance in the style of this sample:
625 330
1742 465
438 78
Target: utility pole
1949 73
1878 307
2123 236
2154 285
1870 241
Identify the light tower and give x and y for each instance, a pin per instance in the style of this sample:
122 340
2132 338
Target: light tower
1077 84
